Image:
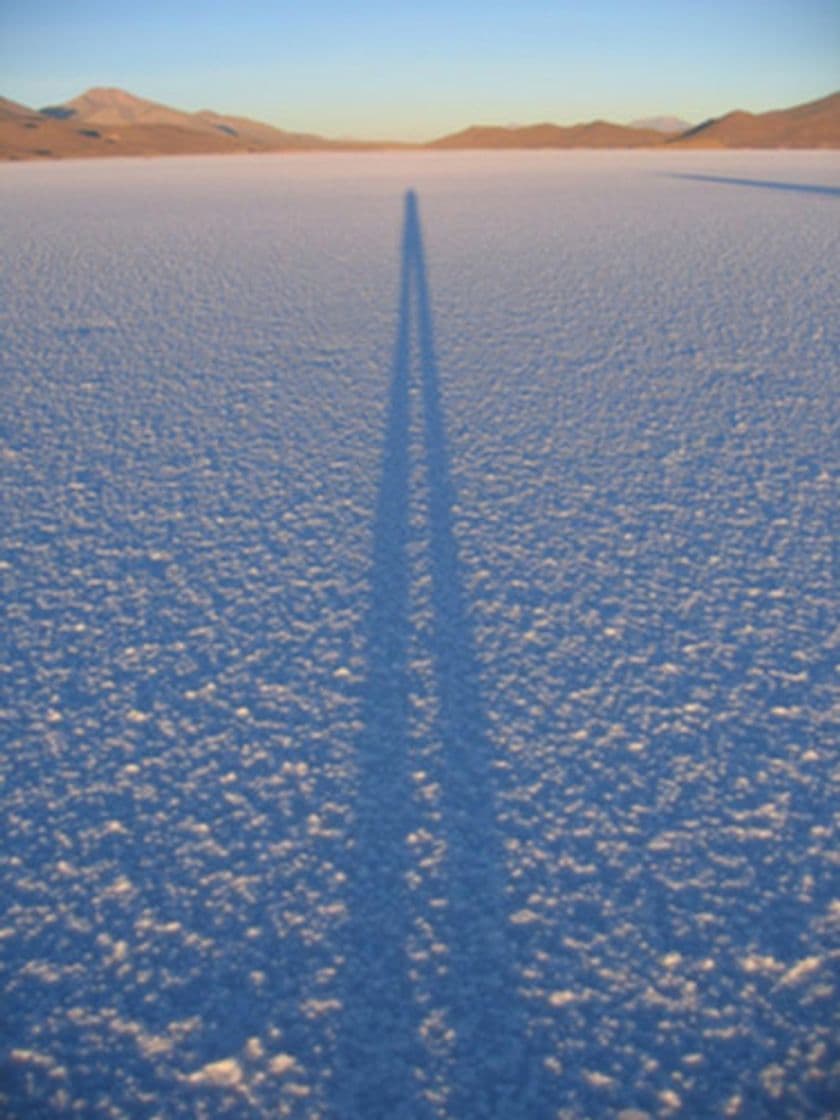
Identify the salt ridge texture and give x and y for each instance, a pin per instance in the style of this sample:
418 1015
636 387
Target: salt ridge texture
419 668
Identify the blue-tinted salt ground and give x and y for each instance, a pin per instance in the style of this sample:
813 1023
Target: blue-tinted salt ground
419 686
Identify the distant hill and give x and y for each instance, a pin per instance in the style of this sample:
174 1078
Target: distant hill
28 134
668 125
596 134
816 124
114 108
813 125
13 111
106 121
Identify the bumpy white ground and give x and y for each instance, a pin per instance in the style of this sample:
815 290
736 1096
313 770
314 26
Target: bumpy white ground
637 360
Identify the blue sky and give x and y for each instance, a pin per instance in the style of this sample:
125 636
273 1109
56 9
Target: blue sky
417 70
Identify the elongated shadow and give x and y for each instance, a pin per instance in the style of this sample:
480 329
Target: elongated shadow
490 1074
380 1050
765 184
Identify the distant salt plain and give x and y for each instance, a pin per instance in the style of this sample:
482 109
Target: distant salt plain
420 713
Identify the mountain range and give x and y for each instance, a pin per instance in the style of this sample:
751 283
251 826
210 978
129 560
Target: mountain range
112 122
106 121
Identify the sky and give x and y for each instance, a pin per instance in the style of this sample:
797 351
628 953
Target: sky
411 70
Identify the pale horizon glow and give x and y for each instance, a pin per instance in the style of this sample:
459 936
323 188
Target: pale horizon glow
392 71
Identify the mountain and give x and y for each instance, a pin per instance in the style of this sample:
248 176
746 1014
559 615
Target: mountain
596 134
59 135
816 124
28 134
667 125
13 111
105 121
114 108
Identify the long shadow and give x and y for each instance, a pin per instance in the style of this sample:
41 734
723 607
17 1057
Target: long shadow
379 1044
379 1049
765 184
490 1078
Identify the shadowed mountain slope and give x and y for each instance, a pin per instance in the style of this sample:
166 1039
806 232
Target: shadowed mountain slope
816 124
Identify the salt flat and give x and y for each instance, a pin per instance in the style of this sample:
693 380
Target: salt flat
419 672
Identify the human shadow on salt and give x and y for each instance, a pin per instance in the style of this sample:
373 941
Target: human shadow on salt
380 1059
763 184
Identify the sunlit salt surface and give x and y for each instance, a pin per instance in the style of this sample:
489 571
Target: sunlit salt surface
418 679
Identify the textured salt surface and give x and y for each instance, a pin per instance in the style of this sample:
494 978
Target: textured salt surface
418 670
